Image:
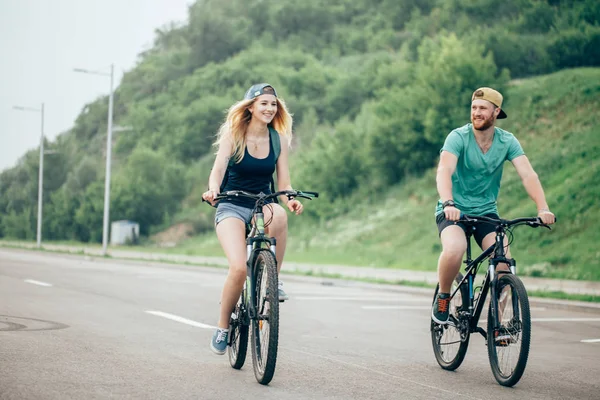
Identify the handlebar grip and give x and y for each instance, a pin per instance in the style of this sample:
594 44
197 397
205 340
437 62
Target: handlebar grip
315 194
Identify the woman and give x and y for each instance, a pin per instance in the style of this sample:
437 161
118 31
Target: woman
245 137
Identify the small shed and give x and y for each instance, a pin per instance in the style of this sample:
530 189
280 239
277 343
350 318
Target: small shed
124 232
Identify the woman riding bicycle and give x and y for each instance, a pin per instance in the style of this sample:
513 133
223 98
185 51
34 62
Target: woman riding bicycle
246 137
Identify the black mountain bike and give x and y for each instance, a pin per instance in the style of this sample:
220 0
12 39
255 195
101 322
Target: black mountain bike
258 307
508 332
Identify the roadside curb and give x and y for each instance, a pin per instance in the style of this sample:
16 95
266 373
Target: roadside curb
566 304
395 287
307 274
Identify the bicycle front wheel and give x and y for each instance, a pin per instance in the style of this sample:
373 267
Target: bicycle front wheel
508 345
265 327
450 341
238 333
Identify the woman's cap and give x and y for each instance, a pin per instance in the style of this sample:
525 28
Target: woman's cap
259 89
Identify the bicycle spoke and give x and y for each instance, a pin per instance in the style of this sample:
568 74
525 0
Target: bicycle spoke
508 344
449 342
265 326
239 338
508 356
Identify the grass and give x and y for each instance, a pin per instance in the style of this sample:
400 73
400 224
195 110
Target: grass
554 118
564 296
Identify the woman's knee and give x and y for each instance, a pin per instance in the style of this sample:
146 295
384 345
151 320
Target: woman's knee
237 272
278 218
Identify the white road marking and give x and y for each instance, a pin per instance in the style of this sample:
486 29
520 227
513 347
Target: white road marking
484 321
565 319
336 292
318 337
428 307
39 283
345 298
181 320
396 308
590 341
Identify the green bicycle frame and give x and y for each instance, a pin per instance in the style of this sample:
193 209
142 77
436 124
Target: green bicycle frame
254 243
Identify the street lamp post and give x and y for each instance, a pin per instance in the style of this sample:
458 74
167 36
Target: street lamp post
41 171
108 154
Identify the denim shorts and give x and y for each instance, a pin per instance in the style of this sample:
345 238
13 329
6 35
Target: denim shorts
230 210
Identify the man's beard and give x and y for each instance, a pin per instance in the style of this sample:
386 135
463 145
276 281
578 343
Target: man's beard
483 125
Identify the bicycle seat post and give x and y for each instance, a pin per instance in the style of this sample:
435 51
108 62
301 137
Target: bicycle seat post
469 233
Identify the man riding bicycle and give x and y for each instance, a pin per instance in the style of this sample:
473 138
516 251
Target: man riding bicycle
468 182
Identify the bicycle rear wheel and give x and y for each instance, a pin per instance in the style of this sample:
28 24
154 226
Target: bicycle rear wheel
508 346
238 333
265 327
450 341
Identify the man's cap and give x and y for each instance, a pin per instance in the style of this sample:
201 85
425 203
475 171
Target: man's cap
491 95
258 89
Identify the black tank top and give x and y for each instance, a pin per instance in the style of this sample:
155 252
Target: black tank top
251 175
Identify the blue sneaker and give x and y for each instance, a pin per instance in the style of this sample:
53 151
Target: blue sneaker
283 296
218 344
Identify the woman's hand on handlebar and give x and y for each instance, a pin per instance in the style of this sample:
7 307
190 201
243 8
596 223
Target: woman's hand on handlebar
295 206
209 196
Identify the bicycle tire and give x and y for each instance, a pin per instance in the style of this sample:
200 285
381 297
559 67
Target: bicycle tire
519 331
238 331
264 352
451 362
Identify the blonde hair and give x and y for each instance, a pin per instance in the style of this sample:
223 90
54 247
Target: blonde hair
238 119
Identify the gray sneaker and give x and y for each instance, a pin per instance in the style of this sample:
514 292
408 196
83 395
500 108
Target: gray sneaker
218 343
440 310
283 296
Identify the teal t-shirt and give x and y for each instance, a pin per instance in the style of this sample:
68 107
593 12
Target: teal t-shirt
476 181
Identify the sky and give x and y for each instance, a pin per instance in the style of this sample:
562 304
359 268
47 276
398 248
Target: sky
41 41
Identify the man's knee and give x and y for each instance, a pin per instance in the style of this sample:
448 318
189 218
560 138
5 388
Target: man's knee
453 253
453 240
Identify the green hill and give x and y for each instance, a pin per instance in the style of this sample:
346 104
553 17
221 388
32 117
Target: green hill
374 86
555 119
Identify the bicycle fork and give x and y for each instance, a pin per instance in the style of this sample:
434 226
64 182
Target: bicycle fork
253 246
494 301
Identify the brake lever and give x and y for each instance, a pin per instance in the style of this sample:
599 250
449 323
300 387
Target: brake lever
540 223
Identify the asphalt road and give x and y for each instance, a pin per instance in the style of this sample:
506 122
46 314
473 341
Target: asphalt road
76 328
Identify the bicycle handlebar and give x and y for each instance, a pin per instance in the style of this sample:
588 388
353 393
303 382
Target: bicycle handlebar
262 196
533 222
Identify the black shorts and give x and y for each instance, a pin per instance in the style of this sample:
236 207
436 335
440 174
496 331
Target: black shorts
480 229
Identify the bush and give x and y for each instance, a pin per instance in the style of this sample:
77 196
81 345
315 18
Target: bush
576 48
522 54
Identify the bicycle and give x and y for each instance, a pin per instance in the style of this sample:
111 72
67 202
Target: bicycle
258 306
509 319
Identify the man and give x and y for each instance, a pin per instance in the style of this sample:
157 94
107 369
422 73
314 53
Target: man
468 182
